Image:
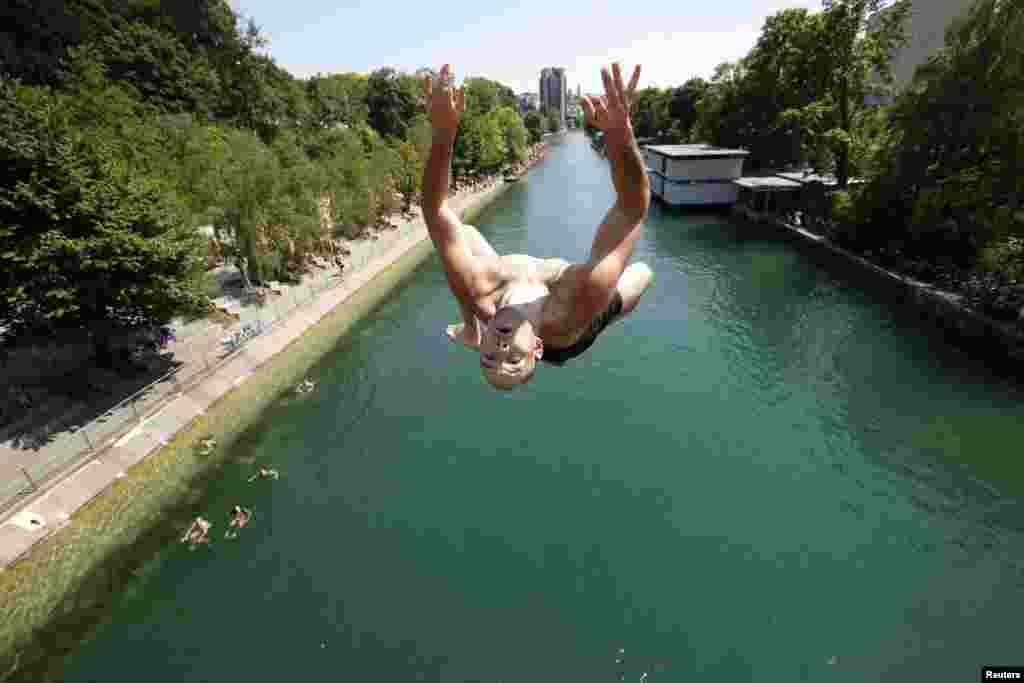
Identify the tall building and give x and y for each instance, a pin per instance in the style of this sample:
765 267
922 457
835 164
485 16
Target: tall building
553 92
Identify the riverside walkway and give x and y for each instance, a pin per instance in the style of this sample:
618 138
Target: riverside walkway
44 506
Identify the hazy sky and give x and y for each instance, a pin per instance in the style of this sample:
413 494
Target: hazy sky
673 40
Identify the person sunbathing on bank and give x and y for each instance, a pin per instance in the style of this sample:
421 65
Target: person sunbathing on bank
518 310
239 518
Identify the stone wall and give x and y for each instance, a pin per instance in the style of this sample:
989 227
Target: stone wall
996 341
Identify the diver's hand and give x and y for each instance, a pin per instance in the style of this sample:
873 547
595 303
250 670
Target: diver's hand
445 103
459 333
612 110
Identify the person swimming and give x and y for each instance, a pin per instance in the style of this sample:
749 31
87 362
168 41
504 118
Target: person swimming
197 533
265 473
239 518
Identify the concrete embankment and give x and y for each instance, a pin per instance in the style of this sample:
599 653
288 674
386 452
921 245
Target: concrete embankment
67 551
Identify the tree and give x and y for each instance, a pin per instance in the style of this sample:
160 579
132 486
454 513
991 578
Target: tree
553 123
947 176
486 140
408 172
391 101
650 117
783 74
507 97
852 60
682 107
481 96
720 120
338 99
160 68
535 126
91 241
511 123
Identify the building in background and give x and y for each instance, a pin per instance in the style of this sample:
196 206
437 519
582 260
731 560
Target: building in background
553 93
528 101
926 34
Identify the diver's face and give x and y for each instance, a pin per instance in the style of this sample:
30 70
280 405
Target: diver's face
509 348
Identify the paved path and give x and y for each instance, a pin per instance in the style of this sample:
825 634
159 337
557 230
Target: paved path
48 508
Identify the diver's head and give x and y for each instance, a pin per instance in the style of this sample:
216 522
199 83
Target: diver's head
509 349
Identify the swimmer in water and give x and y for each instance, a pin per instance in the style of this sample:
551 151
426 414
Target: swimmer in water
206 445
239 518
197 533
518 310
265 473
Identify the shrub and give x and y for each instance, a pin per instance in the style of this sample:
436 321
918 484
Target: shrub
95 240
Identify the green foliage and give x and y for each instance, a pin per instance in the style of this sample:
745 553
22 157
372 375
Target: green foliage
800 96
391 100
534 123
947 174
511 123
338 99
165 116
345 170
842 209
408 172
158 66
481 96
553 124
421 135
651 116
486 140
90 239
262 97
193 157
1005 256
682 106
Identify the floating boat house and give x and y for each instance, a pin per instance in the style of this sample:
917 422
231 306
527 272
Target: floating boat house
694 175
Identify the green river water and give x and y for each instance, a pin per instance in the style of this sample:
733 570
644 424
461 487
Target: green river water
767 473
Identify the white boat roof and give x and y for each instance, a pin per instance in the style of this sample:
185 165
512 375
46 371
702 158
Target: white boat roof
767 183
695 151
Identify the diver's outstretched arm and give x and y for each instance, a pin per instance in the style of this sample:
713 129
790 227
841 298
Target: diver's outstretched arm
618 233
466 275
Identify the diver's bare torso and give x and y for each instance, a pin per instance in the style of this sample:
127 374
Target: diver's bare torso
557 280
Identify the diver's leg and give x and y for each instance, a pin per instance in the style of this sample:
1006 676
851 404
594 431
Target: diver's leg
631 286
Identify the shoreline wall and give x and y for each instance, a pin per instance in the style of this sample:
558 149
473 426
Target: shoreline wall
967 328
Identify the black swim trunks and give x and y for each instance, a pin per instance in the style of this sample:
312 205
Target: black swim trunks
597 325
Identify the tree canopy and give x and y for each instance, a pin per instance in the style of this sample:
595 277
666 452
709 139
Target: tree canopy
126 124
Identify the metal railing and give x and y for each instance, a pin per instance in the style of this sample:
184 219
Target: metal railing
69 446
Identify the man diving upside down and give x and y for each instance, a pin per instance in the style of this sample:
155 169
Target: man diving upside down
517 309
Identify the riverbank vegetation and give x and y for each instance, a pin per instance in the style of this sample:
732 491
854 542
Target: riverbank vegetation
939 160
126 126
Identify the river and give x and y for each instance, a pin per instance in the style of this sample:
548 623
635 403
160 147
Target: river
767 473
